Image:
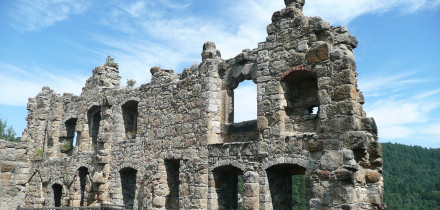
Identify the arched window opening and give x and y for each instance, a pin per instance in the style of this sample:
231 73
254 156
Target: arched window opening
172 169
94 118
130 114
128 183
287 186
301 94
57 194
227 180
83 173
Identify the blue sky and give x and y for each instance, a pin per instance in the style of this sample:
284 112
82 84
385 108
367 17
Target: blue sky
57 43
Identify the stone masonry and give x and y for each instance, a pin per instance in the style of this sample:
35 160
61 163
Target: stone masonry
173 143
14 174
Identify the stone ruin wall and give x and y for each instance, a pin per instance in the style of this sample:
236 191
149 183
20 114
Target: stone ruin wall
14 174
173 143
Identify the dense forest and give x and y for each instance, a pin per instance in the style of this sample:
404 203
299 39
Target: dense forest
412 177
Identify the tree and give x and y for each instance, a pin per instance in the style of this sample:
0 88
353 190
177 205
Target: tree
131 82
109 61
7 132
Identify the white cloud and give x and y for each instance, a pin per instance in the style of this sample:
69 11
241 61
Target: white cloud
344 11
17 84
37 14
402 113
167 34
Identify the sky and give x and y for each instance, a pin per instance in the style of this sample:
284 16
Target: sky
57 43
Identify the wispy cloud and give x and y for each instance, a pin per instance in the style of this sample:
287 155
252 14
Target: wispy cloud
402 113
344 11
17 84
167 34
37 14
386 84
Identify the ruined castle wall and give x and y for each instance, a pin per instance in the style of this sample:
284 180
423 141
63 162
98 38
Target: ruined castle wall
14 174
173 143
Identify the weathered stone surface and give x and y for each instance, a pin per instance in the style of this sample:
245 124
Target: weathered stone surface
318 54
173 143
6 167
373 176
343 174
14 174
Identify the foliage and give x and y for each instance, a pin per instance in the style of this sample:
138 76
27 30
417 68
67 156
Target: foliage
109 61
299 192
411 176
7 132
38 154
67 146
240 192
131 82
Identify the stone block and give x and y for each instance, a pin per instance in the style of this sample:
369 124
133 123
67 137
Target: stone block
5 178
331 160
372 176
7 167
103 187
374 196
98 178
21 179
344 92
318 54
76 203
251 203
343 174
251 189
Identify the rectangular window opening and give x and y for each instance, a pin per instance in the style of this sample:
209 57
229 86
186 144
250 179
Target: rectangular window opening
172 169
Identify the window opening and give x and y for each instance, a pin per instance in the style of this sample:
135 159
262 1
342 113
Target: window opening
226 180
287 186
83 172
172 169
245 101
94 117
301 94
57 193
130 114
77 139
70 140
128 183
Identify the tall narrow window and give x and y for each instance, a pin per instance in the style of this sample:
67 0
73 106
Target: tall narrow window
172 199
70 138
57 194
287 186
130 114
83 172
94 117
128 183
